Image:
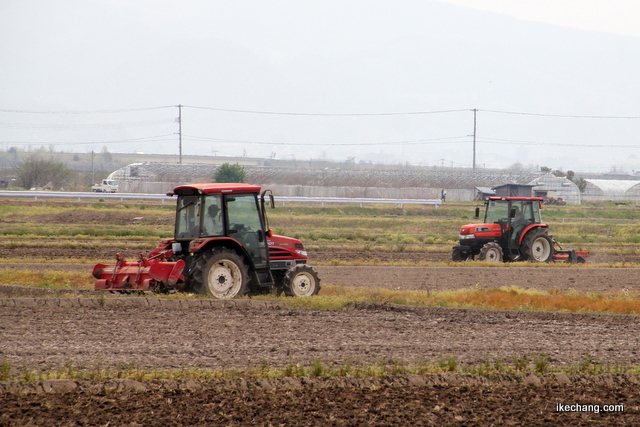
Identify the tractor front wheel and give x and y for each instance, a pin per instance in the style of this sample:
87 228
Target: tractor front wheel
458 255
224 275
490 252
301 281
537 246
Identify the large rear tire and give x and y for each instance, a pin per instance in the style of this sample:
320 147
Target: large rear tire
491 252
301 281
537 246
223 275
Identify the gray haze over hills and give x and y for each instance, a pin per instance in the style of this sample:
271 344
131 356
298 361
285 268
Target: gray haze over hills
318 80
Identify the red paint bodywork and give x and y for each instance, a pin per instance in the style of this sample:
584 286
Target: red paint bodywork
482 230
140 275
218 188
285 248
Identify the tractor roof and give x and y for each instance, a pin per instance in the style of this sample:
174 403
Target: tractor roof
193 189
537 199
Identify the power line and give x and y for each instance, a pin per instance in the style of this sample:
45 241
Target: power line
285 113
82 126
554 144
448 140
565 116
120 141
124 110
292 113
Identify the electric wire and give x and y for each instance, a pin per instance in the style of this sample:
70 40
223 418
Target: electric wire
285 113
123 110
119 141
406 142
82 126
566 144
195 138
565 116
292 113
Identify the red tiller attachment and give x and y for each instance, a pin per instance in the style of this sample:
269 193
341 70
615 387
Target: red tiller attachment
140 275
572 256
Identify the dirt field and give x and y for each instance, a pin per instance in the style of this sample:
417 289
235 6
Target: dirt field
204 334
48 334
579 278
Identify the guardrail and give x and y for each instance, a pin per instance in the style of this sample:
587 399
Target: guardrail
359 200
37 195
79 196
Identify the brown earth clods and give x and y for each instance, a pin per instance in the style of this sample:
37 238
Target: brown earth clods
86 332
148 333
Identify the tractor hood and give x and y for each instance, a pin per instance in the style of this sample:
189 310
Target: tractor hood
471 231
285 247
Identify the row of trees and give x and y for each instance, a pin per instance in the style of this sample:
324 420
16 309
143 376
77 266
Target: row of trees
36 172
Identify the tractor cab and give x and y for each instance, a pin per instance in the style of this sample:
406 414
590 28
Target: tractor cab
503 234
514 216
212 217
229 214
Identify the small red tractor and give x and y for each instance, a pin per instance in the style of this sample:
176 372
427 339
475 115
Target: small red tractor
512 231
222 247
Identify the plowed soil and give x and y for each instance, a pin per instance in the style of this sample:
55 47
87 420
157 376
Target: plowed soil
89 333
151 334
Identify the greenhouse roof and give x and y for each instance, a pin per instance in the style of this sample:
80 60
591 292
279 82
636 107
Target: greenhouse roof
613 187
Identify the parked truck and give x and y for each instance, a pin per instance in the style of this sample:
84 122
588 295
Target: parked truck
106 186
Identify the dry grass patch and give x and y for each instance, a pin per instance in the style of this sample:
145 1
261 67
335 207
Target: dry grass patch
57 279
539 364
338 297
506 298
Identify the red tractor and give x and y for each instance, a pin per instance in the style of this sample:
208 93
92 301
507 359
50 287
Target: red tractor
222 247
512 231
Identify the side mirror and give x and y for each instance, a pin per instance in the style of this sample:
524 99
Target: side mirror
512 214
272 204
477 211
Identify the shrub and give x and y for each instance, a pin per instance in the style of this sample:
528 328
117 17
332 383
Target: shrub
230 173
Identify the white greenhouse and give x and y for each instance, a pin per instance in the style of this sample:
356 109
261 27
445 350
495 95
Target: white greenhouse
612 189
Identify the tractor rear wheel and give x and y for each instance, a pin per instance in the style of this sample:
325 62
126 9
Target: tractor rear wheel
537 246
223 274
490 252
301 281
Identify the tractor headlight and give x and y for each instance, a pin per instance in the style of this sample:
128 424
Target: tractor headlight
301 252
467 236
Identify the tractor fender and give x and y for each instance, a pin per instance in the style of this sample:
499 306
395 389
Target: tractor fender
164 245
203 245
527 229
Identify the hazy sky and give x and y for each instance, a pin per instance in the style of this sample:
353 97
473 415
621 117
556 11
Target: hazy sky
614 16
554 83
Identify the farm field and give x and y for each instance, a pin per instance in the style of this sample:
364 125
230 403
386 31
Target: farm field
131 360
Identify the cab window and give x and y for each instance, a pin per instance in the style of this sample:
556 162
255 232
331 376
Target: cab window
188 217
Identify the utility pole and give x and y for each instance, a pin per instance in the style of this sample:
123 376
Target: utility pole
93 173
180 131
475 110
